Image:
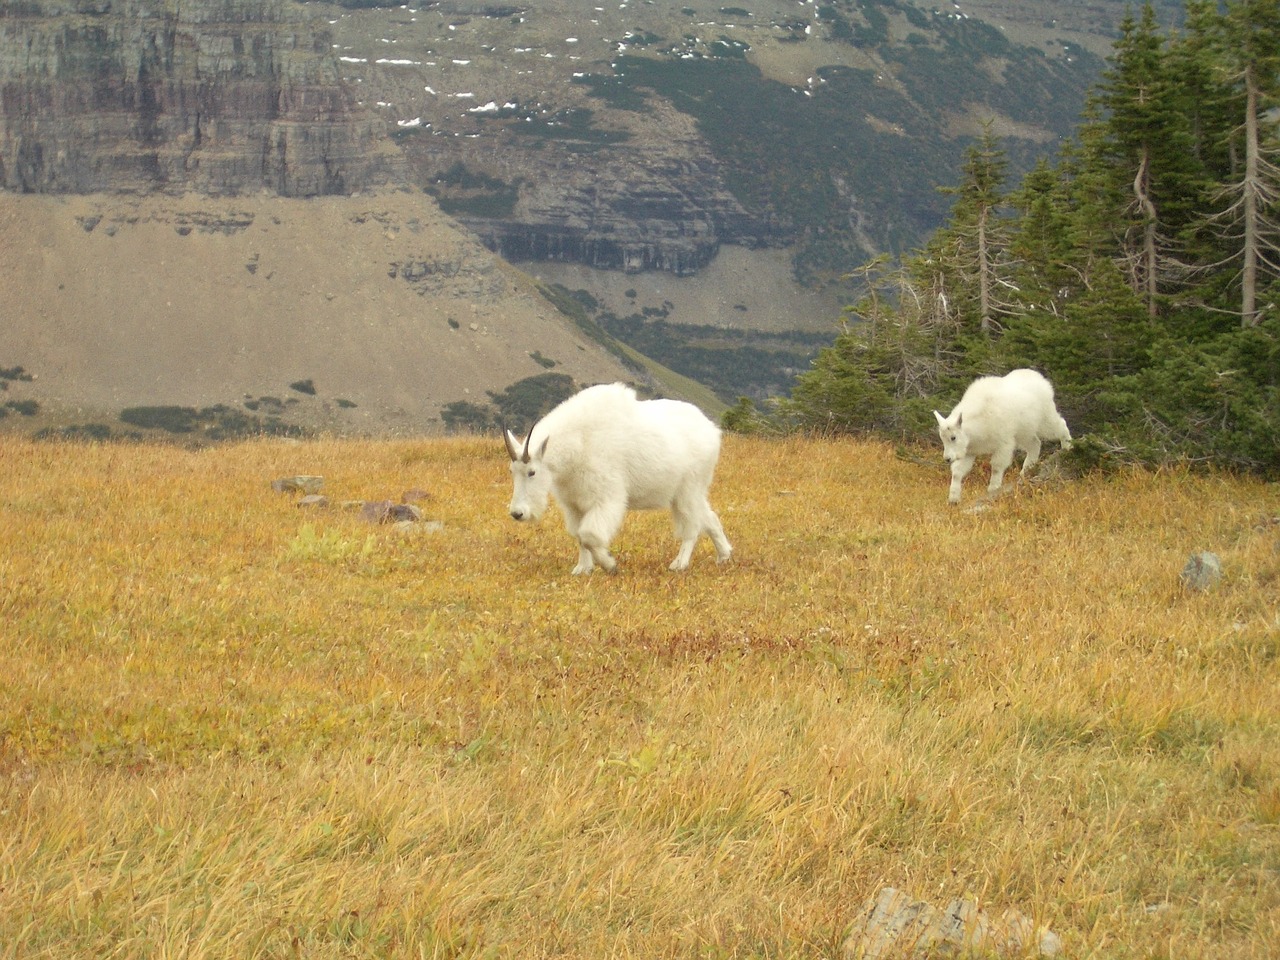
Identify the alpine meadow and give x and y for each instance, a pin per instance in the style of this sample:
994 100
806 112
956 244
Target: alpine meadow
236 725
272 689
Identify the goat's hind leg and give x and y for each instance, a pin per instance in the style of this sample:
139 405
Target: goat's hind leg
691 523
1033 455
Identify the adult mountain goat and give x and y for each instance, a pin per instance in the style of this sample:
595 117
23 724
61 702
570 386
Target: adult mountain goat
995 417
602 452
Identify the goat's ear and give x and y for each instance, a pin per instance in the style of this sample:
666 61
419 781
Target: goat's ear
959 420
941 418
513 445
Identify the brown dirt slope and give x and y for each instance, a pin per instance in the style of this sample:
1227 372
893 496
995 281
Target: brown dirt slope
381 301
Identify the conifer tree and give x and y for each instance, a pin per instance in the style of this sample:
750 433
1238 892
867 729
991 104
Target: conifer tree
1138 272
970 248
1251 57
1147 142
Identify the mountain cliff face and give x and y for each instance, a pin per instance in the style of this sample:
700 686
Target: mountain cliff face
655 213
645 136
220 97
616 151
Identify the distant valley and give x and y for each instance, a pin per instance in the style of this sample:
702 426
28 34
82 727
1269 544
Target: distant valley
697 182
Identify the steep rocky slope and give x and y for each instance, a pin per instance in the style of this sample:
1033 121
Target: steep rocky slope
221 96
643 136
377 306
617 151
157 252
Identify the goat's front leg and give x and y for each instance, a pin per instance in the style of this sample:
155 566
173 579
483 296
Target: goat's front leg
596 531
1000 461
959 470
572 523
585 563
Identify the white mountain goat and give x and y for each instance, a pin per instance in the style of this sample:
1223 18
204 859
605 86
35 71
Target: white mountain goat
602 452
995 417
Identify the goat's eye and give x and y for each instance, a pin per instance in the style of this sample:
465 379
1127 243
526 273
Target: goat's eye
532 472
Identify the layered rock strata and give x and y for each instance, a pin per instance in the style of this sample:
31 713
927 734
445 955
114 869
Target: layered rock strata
219 97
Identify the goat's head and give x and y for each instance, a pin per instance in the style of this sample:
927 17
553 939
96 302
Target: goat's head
530 480
955 442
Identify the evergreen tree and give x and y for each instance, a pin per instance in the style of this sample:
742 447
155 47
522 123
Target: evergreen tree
1138 272
970 247
1251 56
1147 144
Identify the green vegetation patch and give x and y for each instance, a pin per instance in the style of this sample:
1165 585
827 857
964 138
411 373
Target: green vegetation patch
574 129
14 373
732 362
461 191
218 422
519 406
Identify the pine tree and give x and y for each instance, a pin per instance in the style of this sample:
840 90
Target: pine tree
971 247
1251 52
1111 270
1147 140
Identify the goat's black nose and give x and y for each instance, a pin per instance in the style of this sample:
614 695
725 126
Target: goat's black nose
517 515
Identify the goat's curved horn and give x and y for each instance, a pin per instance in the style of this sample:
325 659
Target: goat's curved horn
524 457
513 445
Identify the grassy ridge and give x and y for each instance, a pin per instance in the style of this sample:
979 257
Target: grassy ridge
231 728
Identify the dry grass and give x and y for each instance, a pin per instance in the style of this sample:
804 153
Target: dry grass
234 729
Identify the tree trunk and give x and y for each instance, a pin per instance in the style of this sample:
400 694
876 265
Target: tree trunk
1148 256
1251 199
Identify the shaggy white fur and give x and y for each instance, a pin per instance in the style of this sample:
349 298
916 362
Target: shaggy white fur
995 417
603 452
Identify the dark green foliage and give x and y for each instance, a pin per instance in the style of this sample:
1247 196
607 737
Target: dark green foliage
463 416
28 408
615 91
528 400
14 373
464 192
207 423
1104 272
270 404
304 386
578 306
92 432
731 362
855 137
518 407
172 419
744 417
574 129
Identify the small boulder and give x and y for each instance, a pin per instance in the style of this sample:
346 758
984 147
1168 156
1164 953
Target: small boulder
894 924
384 511
314 501
1203 570
298 484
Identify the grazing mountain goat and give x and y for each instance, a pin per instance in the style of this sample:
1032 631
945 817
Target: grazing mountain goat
995 417
602 452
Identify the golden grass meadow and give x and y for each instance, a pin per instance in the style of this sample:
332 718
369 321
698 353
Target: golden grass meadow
234 727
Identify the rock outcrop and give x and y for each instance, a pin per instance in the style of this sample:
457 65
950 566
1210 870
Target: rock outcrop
219 97
670 214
